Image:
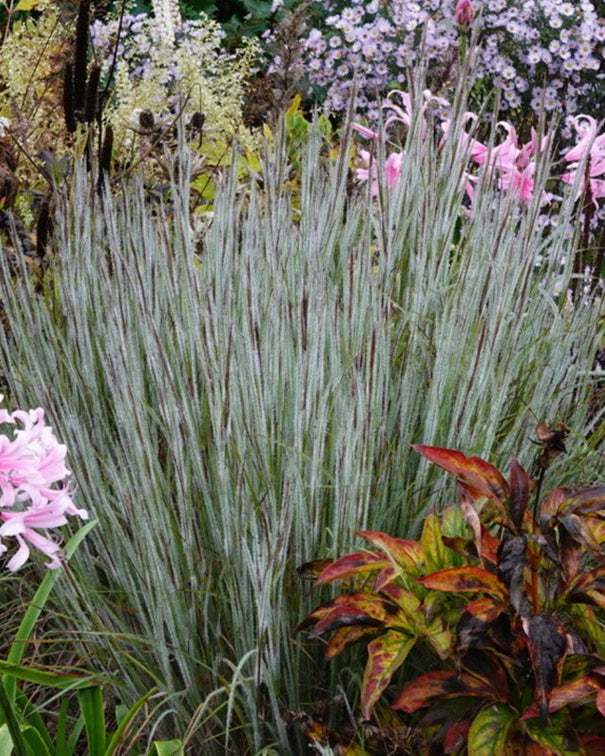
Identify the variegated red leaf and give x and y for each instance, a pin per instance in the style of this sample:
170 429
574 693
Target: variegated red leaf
409 554
455 737
553 503
440 684
478 477
359 608
361 562
385 655
485 609
588 500
345 636
461 579
578 690
590 585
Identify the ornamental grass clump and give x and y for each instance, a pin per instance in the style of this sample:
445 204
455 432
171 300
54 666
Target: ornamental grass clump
242 402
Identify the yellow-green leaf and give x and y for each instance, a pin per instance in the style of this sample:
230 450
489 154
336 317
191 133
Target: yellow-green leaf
489 731
27 5
385 655
436 554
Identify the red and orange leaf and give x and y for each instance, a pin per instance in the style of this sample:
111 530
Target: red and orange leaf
385 655
600 701
478 477
588 500
596 527
440 684
460 579
386 576
345 636
489 545
584 688
570 554
554 503
421 691
361 562
409 554
394 591
485 609
590 585
455 737
357 608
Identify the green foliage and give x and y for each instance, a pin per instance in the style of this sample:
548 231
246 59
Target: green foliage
23 730
523 668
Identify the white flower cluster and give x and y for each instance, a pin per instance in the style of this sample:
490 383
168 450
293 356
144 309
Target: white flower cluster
168 18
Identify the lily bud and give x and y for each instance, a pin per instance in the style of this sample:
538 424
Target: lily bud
464 14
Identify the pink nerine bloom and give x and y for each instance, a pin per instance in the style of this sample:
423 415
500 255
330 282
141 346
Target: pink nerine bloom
369 170
512 165
32 464
592 149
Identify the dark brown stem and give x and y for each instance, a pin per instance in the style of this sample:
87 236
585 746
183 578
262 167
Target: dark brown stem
538 490
80 59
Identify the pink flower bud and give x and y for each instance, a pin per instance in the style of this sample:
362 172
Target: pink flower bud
464 14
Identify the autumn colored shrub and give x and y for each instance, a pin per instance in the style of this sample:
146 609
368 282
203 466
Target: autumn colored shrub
507 590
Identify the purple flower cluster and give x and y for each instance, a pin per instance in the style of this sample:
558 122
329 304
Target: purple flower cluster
540 53
32 463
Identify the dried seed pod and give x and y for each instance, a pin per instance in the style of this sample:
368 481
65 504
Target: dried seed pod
80 59
68 98
146 120
92 91
552 441
197 121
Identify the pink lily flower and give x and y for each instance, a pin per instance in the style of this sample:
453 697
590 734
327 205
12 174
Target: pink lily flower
477 150
403 113
364 131
32 462
369 170
591 147
519 182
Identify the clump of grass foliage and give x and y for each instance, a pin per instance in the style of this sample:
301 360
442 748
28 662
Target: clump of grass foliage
237 406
